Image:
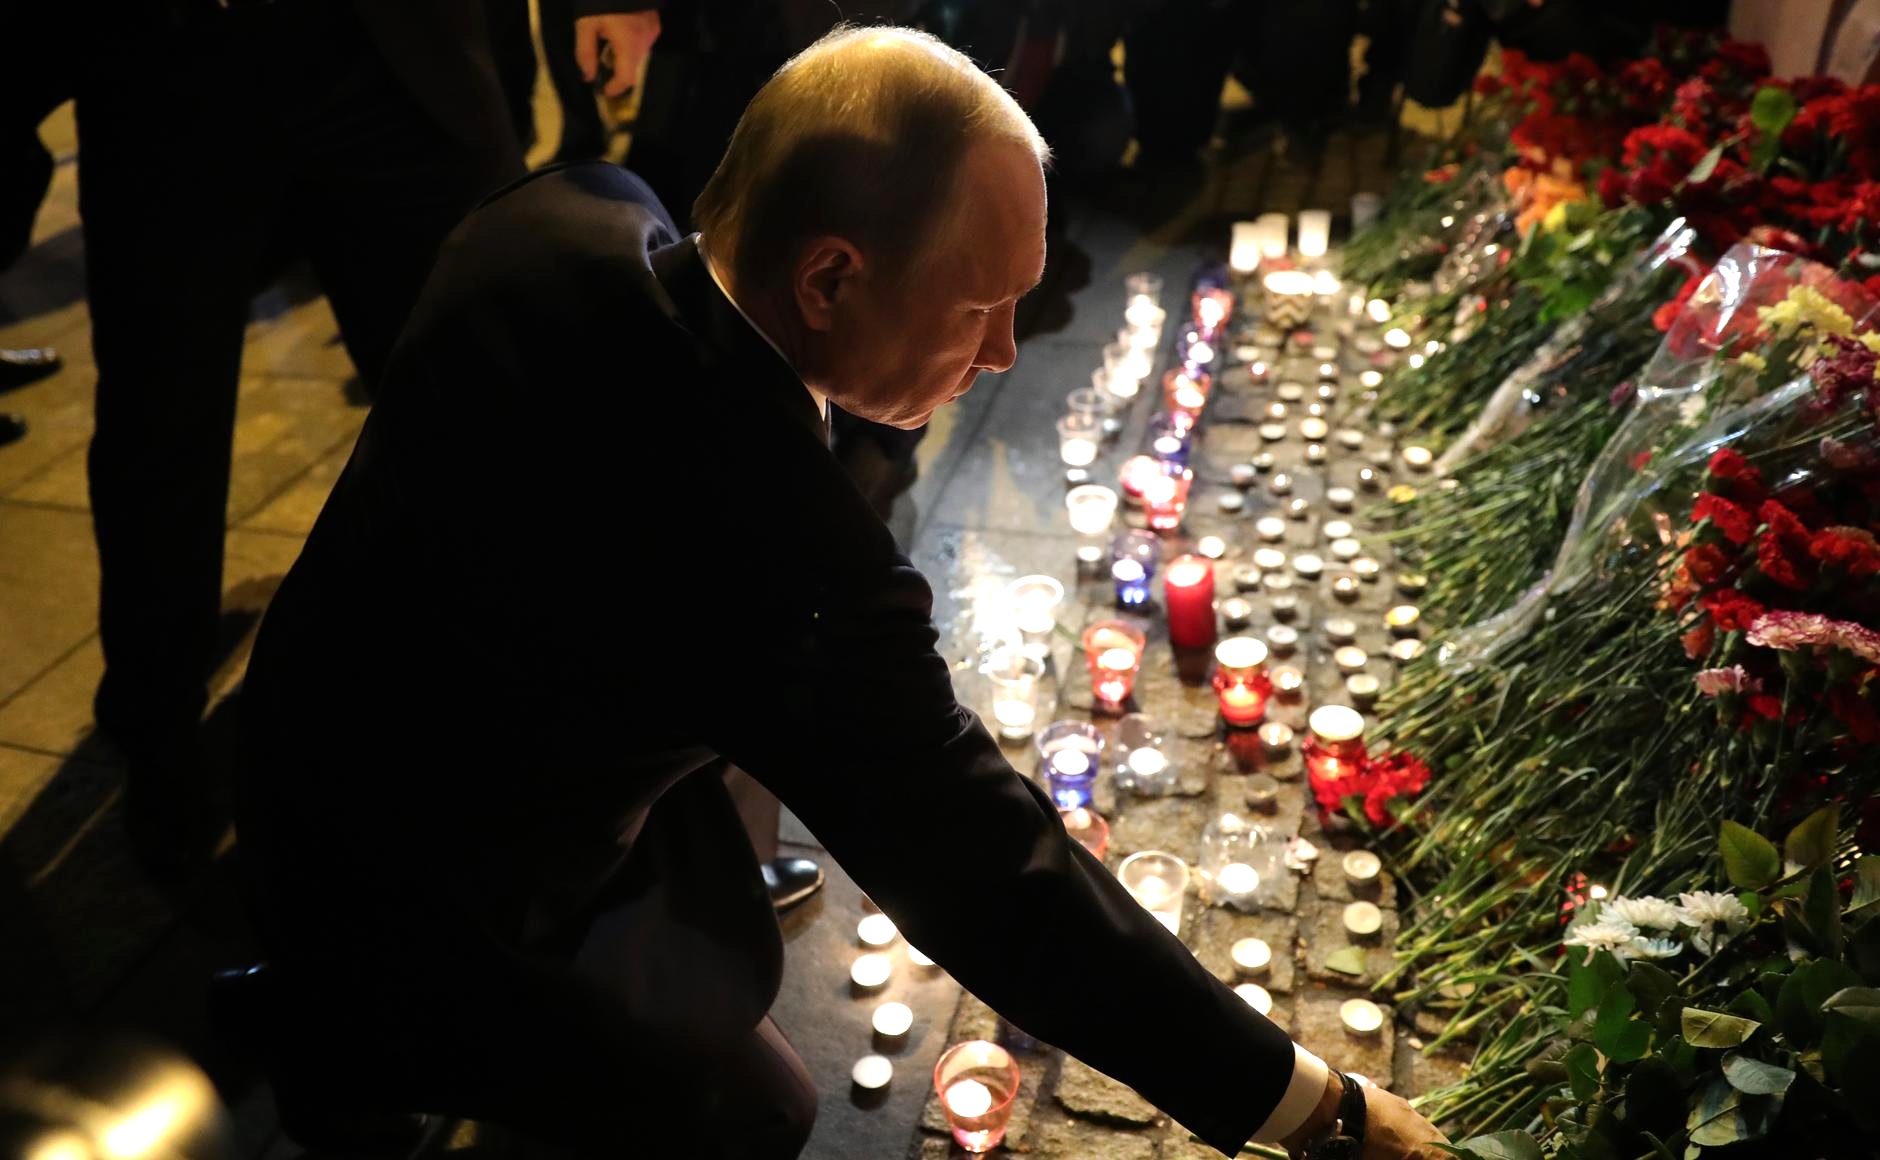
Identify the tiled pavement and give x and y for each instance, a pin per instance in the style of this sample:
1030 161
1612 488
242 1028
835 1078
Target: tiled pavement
83 935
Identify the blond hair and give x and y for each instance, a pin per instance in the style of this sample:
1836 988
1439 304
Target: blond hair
859 136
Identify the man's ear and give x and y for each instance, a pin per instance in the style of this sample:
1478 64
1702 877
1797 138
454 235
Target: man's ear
825 274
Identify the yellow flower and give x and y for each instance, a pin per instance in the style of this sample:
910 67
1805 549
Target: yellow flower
1753 361
1556 218
1402 493
1870 340
1808 307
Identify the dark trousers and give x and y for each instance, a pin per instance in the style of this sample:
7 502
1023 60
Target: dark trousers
207 147
583 136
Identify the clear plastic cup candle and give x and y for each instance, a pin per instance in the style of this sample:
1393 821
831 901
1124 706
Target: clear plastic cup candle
1086 401
1088 829
1165 498
976 1082
1068 757
1156 880
1014 675
1120 363
1113 652
1143 284
1092 508
1079 437
1035 601
1238 856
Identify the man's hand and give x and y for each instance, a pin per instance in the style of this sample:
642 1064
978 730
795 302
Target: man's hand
628 35
1394 1131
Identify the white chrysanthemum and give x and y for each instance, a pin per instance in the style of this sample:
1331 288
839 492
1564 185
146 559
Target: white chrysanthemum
1608 933
1645 912
1711 908
1657 948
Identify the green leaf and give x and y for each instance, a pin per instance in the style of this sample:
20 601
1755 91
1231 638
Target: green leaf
1346 961
1815 925
1501 1146
1706 165
1812 843
1852 1024
1753 1077
1715 1029
1751 1005
1803 994
1771 112
1583 1071
1751 860
1864 949
1588 980
1620 1037
1715 1118
1866 882
1653 985
1861 1003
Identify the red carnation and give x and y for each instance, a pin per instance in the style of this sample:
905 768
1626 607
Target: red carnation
1766 705
1698 641
1708 564
1856 711
1739 478
1735 522
1731 610
1850 550
1778 565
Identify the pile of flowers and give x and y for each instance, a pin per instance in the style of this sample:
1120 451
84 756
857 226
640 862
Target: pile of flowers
1377 793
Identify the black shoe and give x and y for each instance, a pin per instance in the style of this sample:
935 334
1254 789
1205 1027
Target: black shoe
245 1008
791 881
19 368
12 429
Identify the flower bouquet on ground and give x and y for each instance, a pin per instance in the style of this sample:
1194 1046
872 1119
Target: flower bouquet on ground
1741 1022
1748 326
1717 664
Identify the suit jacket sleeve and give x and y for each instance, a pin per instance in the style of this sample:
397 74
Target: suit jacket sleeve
852 721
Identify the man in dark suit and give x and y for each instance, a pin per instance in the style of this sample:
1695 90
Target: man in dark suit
487 715
218 135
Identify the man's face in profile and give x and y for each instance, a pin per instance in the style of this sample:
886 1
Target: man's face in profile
902 350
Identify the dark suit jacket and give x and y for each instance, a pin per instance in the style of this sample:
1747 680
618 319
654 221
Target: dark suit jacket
590 543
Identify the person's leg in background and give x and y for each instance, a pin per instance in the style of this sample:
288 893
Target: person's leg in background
513 49
173 226
583 133
789 880
376 187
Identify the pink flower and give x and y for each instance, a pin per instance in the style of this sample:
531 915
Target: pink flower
1735 679
1794 631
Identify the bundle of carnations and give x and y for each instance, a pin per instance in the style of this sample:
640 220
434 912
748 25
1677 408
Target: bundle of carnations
1734 1022
1594 746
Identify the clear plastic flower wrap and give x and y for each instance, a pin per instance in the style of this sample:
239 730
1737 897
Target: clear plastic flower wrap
1644 281
1754 323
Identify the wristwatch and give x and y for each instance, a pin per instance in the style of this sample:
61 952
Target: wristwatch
1345 1141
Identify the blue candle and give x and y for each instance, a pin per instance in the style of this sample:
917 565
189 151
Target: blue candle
1071 774
1169 440
1133 557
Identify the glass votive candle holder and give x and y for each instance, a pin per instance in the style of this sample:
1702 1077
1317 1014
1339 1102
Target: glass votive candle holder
1035 601
1165 498
1169 438
1211 305
1079 438
976 1082
1113 652
1133 558
1334 744
1156 880
1088 829
1139 757
1143 284
1069 753
1237 856
1240 680
1136 471
1289 298
1123 369
1092 508
1014 675
1195 350
1185 394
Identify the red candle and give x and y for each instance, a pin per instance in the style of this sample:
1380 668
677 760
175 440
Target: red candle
1334 750
1186 394
1137 470
1240 680
1211 308
1165 496
1188 588
1113 653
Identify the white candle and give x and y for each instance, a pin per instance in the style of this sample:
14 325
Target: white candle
1402 620
1238 878
1371 379
1406 650
1272 529
1397 338
893 1019
1277 737
1378 310
1148 762
1341 630
1284 638
1418 458
1014 714
1308 565
1273 229
1315 232
1346 548
1361 1016
1127 571
1272 432
872 1072
1213 547
875 930
1255 997
1363 919
1251 954
917 957
870 970
1327 283
1267 559
1314 429
1340 498
1243 254
1143 312
1078 452
1362 867
1363 688
1337 529
969 1099
1350 659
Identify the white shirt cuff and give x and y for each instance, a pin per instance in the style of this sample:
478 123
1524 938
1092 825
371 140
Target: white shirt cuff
1302 1096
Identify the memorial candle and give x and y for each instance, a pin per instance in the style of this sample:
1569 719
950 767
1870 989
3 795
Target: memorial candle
1334 746
1240 680
976 1082
1136 471
1188 589
1088 829
1186 394
1113 653
1211 305
1165 498
1133 557
1068 756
